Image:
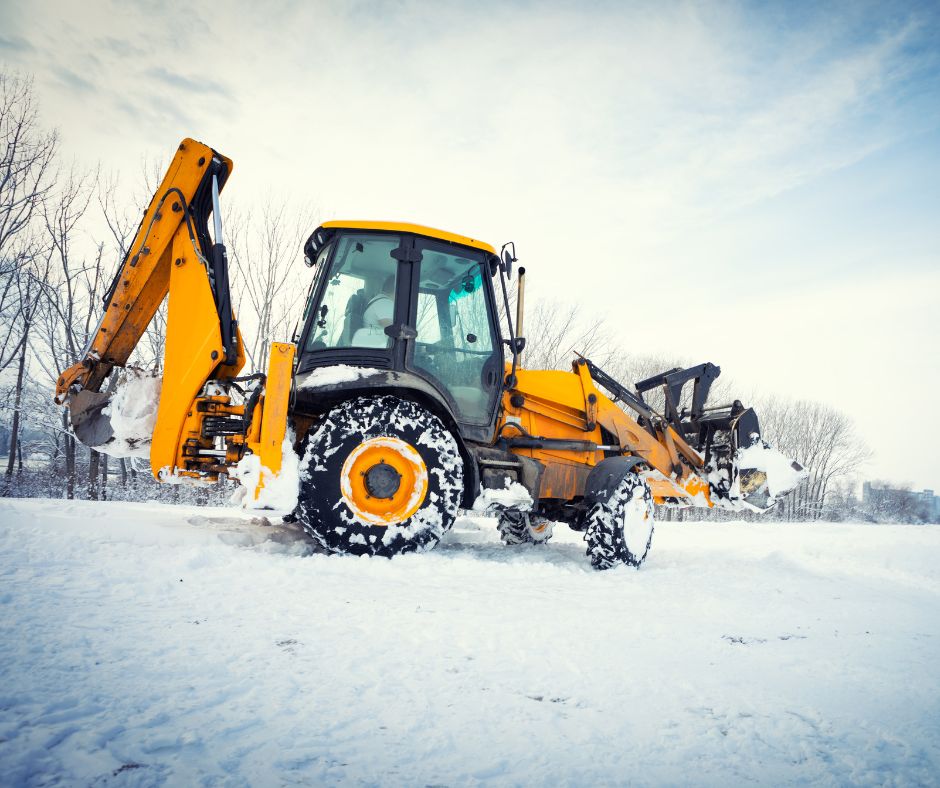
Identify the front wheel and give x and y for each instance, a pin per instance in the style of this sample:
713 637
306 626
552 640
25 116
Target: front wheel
380 476
620 530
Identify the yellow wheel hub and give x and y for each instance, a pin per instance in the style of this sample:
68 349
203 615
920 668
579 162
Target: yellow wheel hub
384 481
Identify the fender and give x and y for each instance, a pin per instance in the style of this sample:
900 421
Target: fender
606 476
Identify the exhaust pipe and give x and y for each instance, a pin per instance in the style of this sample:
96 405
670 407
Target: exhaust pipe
520 305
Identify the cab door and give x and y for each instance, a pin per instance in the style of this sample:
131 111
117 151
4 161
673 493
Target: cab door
456 344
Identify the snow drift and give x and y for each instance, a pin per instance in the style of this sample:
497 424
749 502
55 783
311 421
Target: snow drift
147 645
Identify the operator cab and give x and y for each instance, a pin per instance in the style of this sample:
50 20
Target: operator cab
412 300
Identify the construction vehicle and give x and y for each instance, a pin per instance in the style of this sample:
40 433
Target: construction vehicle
401 397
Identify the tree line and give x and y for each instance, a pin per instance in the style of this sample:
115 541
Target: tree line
64 231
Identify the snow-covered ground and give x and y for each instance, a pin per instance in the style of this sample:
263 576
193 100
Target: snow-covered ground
143 644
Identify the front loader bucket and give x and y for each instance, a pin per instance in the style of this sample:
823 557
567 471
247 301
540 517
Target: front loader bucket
91 426
745 472
765 475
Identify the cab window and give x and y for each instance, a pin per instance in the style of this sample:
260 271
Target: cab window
455 342
358 300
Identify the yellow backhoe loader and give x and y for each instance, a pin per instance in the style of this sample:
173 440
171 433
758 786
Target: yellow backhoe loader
400 400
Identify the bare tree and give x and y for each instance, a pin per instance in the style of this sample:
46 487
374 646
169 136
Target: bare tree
26 176
26 159
823 440
123 210
71 291
555 332
269 281
27 154
29 290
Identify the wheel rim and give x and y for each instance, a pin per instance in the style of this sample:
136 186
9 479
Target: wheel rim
370 468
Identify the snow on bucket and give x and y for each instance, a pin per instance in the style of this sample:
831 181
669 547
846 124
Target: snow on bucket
119 424
765 475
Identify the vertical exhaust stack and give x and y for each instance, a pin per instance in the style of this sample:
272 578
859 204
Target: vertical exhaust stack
520 307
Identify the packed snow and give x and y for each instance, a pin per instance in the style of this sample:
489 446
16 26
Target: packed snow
334 375
132 411
638 521
512 496
781 475
146 644
280 489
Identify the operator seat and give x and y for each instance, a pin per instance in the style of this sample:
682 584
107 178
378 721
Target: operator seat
352 321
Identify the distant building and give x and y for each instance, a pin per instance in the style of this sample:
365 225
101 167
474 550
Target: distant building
897 504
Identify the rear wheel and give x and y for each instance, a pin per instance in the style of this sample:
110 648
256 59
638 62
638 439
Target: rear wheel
620 530
380 476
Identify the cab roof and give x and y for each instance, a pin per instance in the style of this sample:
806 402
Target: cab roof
407 227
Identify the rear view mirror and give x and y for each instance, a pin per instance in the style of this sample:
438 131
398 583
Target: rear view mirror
508 260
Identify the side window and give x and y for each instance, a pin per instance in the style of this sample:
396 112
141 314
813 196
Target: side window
455 343
428 321
469 315
358 301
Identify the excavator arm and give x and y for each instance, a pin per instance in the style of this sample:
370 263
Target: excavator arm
204 422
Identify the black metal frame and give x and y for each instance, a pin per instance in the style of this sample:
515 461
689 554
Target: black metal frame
674 381
722 428
398 358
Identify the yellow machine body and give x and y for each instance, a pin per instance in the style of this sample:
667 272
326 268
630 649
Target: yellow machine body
567 405
207 422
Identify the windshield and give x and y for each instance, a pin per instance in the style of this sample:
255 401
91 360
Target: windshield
358 300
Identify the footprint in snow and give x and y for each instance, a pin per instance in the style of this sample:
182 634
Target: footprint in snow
745 641
742 641
127 767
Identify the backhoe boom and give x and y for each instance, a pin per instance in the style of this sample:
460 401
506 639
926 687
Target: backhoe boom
200 430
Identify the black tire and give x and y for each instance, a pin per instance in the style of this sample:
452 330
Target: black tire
620 530
516 527
335 506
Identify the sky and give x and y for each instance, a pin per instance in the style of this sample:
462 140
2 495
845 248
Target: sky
751 184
